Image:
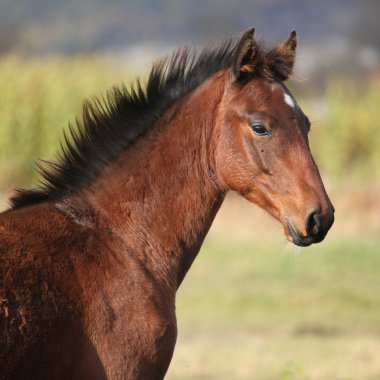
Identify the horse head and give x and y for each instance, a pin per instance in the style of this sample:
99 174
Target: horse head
262 150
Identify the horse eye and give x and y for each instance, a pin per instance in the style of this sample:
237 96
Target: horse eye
260 130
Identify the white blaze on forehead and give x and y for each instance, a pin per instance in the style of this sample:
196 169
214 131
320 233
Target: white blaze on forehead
289 100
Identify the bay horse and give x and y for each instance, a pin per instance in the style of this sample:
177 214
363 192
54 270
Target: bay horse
90 261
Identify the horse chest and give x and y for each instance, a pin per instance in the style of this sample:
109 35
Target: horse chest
132 326
138 344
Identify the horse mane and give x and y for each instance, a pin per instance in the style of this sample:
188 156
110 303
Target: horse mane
111 124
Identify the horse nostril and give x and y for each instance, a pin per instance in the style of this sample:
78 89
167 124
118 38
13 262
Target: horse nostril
313 222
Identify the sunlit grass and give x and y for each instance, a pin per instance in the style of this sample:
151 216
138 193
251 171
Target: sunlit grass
247 311
326 278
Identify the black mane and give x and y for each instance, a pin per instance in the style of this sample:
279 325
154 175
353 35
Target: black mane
112 124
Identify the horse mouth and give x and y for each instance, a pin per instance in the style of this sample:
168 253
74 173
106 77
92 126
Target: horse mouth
295 237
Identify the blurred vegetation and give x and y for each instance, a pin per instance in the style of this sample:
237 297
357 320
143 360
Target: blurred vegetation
40 96
346 140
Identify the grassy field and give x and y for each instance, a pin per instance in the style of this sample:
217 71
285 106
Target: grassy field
253 310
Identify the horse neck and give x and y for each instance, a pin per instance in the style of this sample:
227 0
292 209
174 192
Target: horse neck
159 195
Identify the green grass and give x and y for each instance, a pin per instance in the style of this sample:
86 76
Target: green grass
253 311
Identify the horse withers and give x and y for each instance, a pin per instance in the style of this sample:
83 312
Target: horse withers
91 260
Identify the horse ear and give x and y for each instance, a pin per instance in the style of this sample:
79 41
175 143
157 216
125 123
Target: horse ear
282 57
245 55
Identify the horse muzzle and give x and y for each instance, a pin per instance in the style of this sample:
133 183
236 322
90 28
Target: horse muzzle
316 225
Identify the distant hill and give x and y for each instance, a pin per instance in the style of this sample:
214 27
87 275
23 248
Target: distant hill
337 37
69 26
